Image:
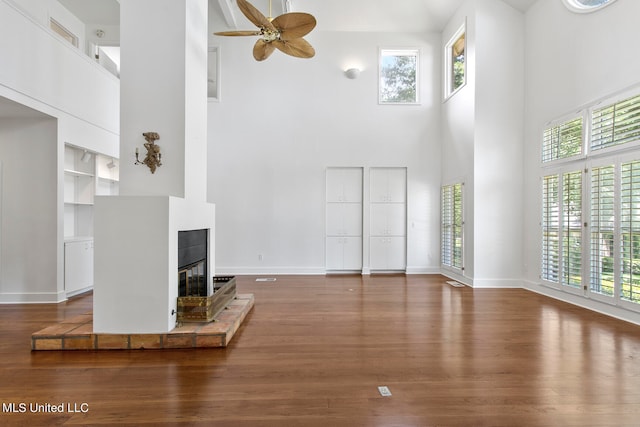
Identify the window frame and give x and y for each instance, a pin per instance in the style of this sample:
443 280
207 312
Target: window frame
64 33
577 7
398 52
449 90
558 123
448 258
597 207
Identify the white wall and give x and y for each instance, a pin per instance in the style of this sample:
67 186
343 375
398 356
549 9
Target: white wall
482 141
498 161
458 129
283 121
571 60
29 250
41 71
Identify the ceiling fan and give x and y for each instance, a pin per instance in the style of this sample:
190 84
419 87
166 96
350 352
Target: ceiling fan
284 32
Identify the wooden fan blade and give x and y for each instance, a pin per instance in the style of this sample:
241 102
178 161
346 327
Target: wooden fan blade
262 50
238 33
294 25
295 47
254 15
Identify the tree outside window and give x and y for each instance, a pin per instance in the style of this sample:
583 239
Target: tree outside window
399 76
455 62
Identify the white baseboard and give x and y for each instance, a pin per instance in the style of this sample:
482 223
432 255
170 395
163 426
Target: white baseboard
32 297
261 271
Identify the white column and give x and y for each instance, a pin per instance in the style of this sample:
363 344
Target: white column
163 89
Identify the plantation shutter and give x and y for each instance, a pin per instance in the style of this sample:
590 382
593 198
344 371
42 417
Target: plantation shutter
602 230
572 229
616 124
446 238
550 229
452 226
562 141
630 232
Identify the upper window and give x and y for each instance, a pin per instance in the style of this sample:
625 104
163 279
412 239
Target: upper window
398 76
616 124
586 5
455 62
563 140
63 32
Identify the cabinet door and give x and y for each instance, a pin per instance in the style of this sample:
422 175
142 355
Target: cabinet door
378 253
344 185
334 253
388 219
388 253
397 184
78 265
352 250
388 184
396 253
344 253
344 219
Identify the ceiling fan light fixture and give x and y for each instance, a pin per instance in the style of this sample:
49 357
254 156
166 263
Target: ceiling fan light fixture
284 32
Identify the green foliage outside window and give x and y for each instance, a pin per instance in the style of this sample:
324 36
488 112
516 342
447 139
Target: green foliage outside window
398 78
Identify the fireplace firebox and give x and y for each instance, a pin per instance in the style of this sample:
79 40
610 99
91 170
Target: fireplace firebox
192 263
196 301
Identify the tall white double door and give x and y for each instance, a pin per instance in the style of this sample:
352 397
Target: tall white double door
383 246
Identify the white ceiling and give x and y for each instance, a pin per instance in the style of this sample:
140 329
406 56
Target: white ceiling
332 15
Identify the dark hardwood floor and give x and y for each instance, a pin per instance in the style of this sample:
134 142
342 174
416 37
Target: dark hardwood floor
315 349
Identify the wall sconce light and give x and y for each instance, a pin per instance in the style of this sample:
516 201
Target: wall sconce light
352 73
153 158
111 164
86 156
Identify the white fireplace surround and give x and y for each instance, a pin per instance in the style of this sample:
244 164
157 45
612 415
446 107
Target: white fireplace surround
144 246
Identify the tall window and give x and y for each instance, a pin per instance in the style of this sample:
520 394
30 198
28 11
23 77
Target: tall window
455 62
452 226
590 222
562 229
602 229
550 228
630 232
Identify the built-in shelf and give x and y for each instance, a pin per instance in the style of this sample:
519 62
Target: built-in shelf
86 175
78 173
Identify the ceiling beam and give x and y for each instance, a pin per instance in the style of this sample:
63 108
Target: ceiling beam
227 12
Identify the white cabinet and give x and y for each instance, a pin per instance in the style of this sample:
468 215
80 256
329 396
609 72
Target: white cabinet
344 219
78 265
388 185
388 253
344 185
344 253
388 219
86 174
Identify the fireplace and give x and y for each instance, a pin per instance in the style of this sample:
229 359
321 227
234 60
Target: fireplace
192 263
197 302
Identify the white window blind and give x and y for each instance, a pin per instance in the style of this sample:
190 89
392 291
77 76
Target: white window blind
452 226
550 229
616 124
562 229
630 232
602 230
572 229
563 140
